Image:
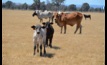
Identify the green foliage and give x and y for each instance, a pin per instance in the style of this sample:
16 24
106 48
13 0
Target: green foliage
24 6
8 4
85 7
52 5
72 7
37 2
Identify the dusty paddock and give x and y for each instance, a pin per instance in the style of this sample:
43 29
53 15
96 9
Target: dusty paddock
87 48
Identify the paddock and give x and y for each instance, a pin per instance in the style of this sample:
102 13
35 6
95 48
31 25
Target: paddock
87 48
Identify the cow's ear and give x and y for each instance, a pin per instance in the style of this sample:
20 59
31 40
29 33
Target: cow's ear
33 27
43 23
43 27
51 23
62 13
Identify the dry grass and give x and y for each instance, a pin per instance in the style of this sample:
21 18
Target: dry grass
87 48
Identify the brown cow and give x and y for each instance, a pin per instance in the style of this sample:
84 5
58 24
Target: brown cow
71 19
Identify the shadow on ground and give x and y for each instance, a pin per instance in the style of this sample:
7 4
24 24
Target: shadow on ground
56 47
49 55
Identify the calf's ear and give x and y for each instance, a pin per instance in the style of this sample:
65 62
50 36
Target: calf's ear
43 23
33 27
43 27
51 23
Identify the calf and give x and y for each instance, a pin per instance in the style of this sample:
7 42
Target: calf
39 38
71 19
49 34
41 15
87 16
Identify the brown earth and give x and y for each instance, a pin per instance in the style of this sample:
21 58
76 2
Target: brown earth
87 48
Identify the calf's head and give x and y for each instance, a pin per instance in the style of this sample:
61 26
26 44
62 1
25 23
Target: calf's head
37 28
47 24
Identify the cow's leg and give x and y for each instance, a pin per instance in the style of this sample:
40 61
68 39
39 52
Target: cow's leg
80 29
37 47
41 20
49 19
90 17
50 41
47 41
61 29
76 28
41 50
44 49
64 29
34 49
52 18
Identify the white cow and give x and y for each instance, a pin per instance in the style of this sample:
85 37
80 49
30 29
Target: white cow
43 14
39 38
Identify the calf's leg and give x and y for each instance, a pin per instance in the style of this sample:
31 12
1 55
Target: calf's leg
34 49
44 49
37 47
50 40
47 41
40 50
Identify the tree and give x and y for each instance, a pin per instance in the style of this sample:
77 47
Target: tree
24 6
37 2
72 7
8 4
3 5
85 7
57 2
98 9
92 9
32 7
43 6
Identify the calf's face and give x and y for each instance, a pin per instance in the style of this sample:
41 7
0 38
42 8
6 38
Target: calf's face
37 28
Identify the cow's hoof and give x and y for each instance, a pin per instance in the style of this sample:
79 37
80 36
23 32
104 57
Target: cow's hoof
50 46
64 33
33 53
45 53
37 50
40 54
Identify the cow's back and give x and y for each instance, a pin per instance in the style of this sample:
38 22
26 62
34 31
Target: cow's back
72 18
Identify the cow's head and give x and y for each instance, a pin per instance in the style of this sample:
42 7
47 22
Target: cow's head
57 17
47 24
37 28
36 12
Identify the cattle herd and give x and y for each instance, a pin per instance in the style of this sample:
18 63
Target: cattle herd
44 34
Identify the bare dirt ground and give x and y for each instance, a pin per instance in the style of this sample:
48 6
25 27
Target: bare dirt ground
87 48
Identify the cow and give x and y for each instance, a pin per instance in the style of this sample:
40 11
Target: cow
71 19
39 38
43 14
50 32
87 16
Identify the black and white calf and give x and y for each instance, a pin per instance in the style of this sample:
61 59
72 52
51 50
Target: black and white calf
49 34
39 38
